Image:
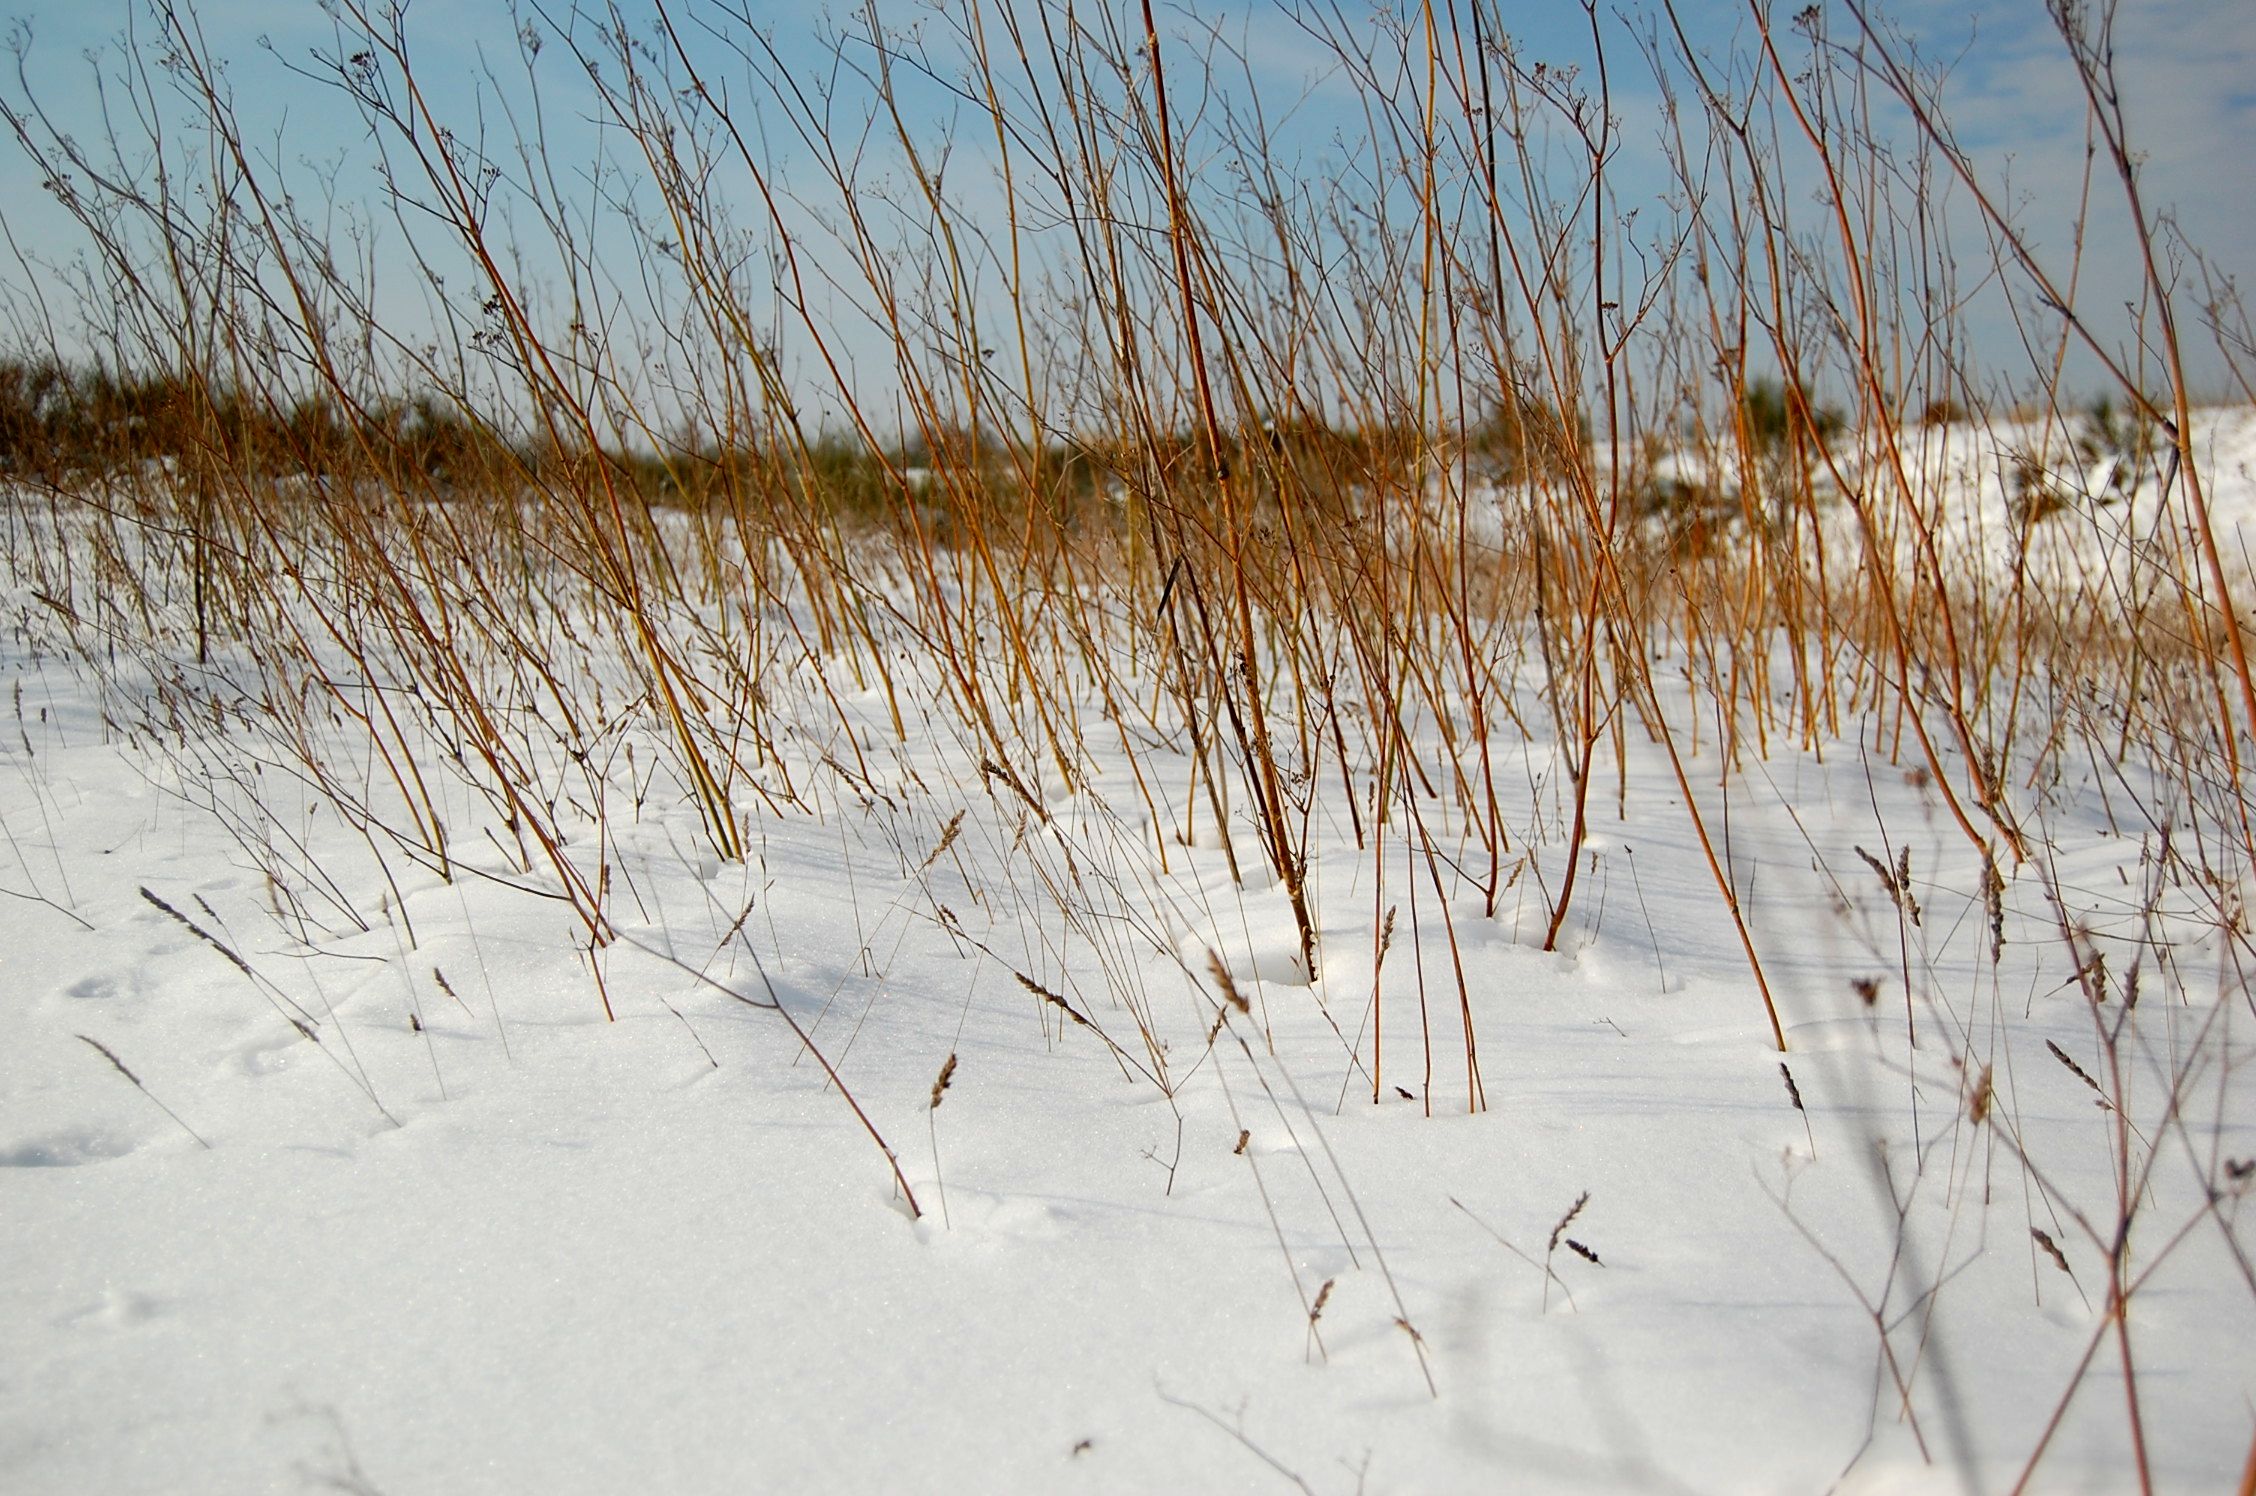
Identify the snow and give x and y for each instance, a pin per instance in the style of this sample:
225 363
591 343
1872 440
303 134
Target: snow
399 1209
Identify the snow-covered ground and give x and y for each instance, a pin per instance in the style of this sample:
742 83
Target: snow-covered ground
319 1170
2064 503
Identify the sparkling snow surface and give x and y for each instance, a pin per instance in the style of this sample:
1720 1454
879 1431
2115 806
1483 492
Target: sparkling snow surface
453 1231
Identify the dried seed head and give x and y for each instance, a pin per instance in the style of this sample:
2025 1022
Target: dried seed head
947 840
1055 1001
1886 876
1222 979
1559 1231
110 1054
1993 900
2094 972
989 769
2073 1068
945 1079
207 937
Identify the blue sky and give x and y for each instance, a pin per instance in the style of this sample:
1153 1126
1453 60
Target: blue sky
2190 67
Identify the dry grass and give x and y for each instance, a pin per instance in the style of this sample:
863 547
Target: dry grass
1273 496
